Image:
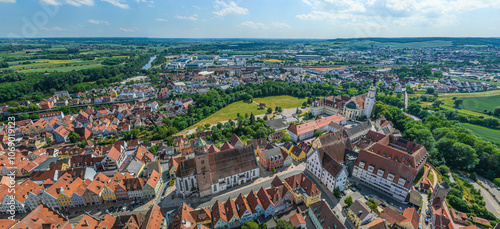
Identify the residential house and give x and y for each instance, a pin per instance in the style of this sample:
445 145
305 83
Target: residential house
61 133
323 217
153 185
42 216
409 219
219 216
271 157
323 165
267 204
358 213
305 191
233 217
255 205
287 159
244 211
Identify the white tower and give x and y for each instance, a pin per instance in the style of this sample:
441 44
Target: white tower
369 101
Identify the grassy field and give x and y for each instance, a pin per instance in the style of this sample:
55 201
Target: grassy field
474 103
486 133
474 94
62 69
231 110
479 104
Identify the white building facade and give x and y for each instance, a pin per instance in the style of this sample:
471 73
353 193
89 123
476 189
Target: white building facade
330 172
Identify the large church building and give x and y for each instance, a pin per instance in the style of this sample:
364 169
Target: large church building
351 108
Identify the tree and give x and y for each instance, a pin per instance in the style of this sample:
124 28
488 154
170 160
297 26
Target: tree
496 111
348 201
73 137
497 181
282 224
273 170
458 102
318 133
443 169
372 204
65 109
200 129
23 116
437 103
134 133
269 110
250 225
337 193
304 104
286 137
431 90
438 74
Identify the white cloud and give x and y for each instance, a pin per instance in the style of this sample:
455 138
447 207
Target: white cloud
127 30
388 13
79 3
281 25
51 2
8 1
118 3
191 18
253 25
225 8
161 19
51 29
97 22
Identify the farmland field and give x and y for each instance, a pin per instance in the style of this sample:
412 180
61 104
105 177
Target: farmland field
483 132
231 110
479 104
62 69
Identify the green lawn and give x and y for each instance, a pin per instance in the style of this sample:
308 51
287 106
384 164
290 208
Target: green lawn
486 133
231 110
480 104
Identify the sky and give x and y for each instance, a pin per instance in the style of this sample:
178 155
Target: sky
323 19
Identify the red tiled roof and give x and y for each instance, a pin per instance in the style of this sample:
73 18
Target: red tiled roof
41 217
301 180
218 212
314 125
297 219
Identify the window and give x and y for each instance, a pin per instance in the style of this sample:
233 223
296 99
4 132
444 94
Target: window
371 168
402 181
380 172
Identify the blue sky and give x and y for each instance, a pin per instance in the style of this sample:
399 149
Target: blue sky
249 18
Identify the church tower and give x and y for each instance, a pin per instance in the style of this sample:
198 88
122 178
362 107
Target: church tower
369 101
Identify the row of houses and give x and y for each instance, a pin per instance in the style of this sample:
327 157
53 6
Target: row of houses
44 216
72 189
262 204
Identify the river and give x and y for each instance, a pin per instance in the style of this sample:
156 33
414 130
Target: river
148 65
